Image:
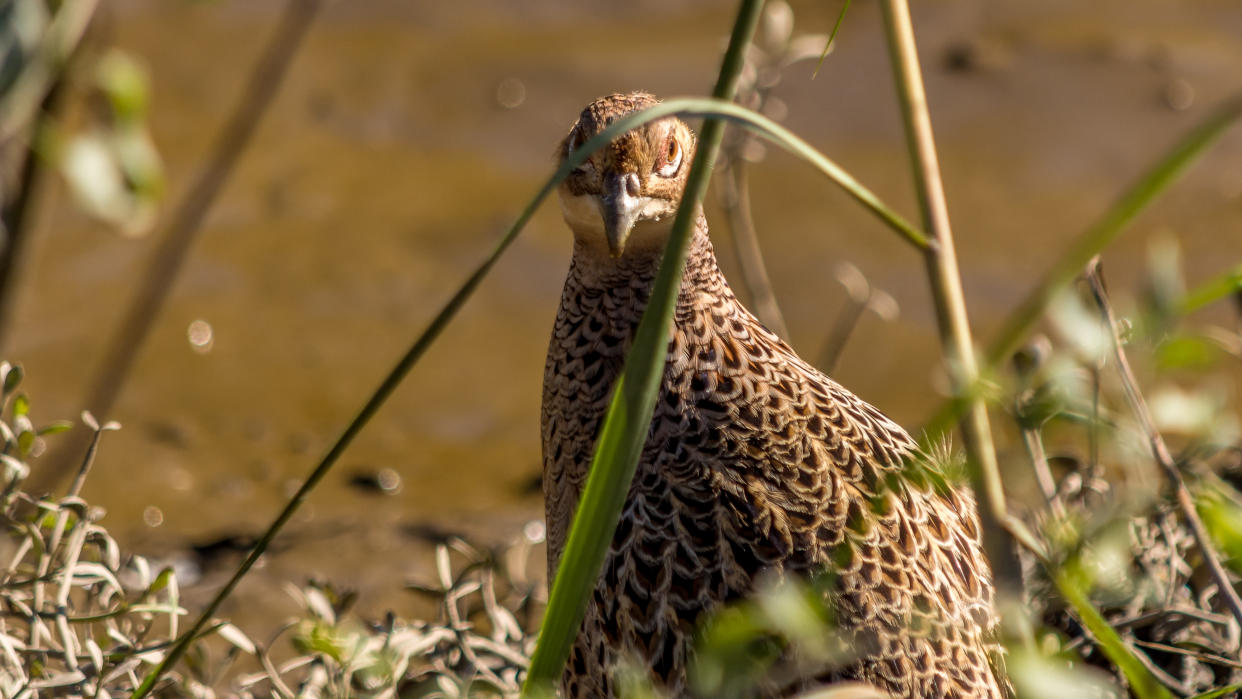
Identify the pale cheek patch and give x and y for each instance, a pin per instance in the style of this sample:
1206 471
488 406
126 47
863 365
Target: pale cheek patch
651 227
653 209
581 212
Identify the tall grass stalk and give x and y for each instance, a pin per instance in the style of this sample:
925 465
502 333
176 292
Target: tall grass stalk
626 424
964 370
946 285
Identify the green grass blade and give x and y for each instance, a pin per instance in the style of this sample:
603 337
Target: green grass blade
1149 186
831 38
1142 193
778 135
629 415
1228 691
1073 584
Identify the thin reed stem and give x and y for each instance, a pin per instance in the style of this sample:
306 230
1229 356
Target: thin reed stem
946 286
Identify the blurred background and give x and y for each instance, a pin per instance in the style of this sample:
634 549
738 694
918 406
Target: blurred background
407 136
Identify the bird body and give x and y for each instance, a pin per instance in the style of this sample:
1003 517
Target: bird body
755 463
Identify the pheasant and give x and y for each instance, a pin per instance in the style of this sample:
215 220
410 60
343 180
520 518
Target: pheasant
755 463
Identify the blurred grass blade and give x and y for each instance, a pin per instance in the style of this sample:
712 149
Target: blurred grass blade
1212 291
625 426
1150 185
1091 241
831 38
1071 580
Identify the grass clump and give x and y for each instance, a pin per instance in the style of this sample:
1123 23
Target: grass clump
79 617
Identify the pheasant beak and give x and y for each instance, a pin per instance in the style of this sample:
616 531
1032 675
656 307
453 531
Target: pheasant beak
619 208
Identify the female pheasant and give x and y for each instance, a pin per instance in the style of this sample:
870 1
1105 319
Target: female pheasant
755 462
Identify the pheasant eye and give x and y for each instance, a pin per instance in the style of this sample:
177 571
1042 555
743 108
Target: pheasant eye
575 140
671 160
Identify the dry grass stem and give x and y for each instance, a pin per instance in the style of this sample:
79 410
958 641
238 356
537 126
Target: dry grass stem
1160 450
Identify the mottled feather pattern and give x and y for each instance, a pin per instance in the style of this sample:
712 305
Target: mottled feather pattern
755 464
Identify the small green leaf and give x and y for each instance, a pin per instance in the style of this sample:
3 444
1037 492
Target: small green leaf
1040 677
25 442
161 581
54 428
125 83
1222 515
1187 352
12 378
14 469
1212 291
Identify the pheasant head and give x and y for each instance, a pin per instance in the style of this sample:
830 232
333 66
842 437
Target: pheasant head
625 195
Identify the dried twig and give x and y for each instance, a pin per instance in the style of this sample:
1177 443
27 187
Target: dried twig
1160 450
1034 443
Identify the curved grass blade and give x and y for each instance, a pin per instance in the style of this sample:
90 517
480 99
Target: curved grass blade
1146 189
1212 291
765 128
629 414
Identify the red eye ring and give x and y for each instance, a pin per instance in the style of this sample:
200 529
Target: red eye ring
670 160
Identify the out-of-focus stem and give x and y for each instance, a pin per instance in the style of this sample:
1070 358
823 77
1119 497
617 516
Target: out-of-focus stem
165 263
1043 474
21 102
734 191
